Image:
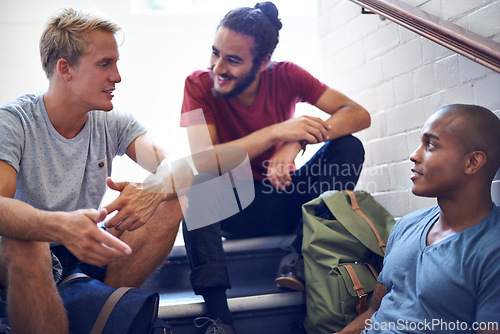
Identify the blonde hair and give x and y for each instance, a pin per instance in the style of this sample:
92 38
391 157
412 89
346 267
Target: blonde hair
65 36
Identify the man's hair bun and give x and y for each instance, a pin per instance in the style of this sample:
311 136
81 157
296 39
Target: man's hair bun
270 10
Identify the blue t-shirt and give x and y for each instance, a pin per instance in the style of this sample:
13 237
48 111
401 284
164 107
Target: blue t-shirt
448 287
55 173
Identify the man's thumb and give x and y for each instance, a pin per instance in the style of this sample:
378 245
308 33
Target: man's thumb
118 186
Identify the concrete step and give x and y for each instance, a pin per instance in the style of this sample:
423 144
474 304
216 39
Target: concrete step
255 301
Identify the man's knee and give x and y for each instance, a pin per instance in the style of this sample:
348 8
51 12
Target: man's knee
171 212
346 145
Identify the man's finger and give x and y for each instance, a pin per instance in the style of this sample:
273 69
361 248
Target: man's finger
97 215
115 220
118 186
114 246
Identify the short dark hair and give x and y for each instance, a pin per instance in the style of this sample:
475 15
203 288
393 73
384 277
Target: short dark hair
261 23
479 130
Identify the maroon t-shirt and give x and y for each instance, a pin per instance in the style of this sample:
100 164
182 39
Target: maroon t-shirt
282 85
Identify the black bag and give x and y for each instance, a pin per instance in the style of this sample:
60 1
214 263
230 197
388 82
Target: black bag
93 307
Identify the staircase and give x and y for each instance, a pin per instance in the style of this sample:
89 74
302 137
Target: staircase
257 305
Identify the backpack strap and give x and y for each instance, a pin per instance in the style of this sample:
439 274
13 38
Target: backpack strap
361 305
356 208
374 272
106 310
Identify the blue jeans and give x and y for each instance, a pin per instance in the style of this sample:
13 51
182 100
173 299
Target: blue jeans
336 166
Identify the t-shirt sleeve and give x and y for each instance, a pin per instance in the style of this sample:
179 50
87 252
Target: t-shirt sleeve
303 85
198 103
127 129
11 139
390 242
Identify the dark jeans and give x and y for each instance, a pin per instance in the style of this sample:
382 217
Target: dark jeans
336 166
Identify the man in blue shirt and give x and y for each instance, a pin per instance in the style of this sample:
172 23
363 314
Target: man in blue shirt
441 272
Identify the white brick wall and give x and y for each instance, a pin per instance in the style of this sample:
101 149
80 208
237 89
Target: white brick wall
402 78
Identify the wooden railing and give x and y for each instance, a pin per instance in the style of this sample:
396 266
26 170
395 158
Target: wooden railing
443 32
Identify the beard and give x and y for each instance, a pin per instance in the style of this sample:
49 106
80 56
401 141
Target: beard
240 86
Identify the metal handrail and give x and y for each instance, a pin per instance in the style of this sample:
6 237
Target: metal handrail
465 42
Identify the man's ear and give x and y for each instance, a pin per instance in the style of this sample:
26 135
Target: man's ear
63 69
264 62
475 160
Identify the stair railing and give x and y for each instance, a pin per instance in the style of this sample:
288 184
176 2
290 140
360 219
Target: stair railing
465 42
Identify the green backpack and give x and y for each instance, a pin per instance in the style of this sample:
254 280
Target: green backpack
345 234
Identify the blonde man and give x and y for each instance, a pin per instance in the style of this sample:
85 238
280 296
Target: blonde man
56 151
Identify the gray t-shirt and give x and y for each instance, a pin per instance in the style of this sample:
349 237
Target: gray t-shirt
55 173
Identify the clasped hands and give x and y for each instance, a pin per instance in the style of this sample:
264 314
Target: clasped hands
293 132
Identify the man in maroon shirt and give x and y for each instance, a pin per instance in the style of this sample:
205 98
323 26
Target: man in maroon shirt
248 102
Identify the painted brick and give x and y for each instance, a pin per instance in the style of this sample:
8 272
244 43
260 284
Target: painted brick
367 76
350 58
424 81
374 179
385 95
368 99
404 90
480 21
362 26
487 91
343 12
470 70
459 94
432 51
453 8
403 59
433 7
462 22
388 149
416 3
405 117
413 140
396 202
400 173
377 128
432 103
447 73
382 41
324 6
334 42
406 35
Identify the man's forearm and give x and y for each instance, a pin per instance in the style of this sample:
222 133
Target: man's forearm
22 221
348 120
171 179
357 325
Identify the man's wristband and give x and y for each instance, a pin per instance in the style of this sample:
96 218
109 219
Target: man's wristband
303 145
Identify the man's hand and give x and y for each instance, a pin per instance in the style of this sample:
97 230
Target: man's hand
281 164
311 129
134 206
87 241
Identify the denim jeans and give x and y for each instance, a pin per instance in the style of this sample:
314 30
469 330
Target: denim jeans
335 166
